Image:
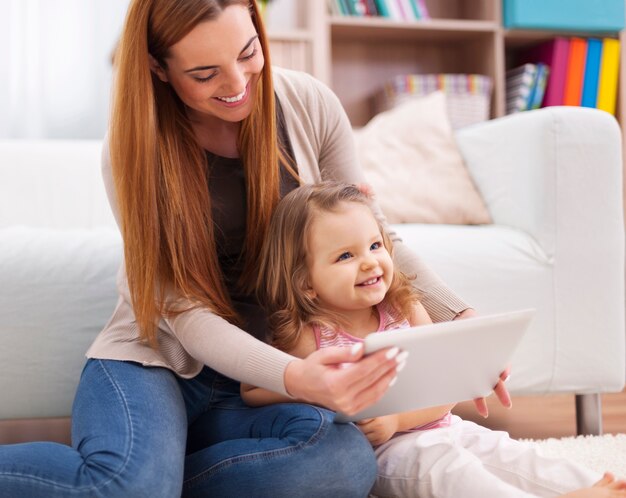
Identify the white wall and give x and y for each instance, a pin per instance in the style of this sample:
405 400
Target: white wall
55 68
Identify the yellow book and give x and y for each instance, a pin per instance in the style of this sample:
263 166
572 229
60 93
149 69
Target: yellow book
609 70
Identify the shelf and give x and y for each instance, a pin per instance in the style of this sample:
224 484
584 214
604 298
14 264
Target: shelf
517 38
377 29
294 35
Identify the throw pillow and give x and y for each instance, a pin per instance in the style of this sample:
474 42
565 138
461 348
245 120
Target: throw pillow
411 160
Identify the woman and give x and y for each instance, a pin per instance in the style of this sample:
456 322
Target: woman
204 140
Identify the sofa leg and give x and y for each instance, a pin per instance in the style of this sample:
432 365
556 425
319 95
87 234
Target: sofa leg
589 414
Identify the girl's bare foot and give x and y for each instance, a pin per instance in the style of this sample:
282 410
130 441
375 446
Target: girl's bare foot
607 487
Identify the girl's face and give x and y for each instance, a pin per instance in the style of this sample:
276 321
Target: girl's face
215 68
349 267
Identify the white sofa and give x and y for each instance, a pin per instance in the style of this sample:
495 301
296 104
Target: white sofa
552 180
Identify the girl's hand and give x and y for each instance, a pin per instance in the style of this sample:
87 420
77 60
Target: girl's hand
500 388
501 392
380 429
340 378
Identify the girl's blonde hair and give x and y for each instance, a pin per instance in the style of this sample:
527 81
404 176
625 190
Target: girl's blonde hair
159 169
283 275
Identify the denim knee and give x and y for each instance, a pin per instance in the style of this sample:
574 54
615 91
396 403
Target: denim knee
349 466
354 460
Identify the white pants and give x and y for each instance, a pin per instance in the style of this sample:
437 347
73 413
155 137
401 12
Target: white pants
467 460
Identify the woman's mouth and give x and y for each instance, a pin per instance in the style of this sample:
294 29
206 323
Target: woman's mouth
235 100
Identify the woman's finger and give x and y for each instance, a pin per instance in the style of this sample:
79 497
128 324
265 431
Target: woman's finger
373 393
360 376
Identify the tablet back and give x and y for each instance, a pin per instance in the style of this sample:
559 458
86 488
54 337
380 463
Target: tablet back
448 362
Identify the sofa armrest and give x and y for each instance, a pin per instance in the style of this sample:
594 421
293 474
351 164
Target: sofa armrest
558 166
556 174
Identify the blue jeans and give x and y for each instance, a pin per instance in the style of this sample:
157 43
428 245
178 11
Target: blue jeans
129 440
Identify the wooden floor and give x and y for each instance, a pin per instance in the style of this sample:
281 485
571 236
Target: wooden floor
546 416
530 417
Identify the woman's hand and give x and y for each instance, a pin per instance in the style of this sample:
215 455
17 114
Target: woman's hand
380 429
340 378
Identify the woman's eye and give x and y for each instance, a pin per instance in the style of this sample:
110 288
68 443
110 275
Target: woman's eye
375 245
204 80
250 55
344 256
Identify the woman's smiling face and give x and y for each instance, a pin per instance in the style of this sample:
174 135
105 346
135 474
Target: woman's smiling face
216 67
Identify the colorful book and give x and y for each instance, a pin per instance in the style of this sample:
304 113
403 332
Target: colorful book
416 9
394 10
592 73
539 86
554 54
423 9
383 10
407 10
575 71
519 85
609 70
372 10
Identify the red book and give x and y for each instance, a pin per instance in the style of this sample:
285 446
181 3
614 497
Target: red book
575 71
555 54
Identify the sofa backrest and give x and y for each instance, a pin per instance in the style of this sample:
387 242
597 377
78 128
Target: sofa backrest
53 184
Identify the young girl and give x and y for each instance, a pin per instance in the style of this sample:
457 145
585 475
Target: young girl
328 279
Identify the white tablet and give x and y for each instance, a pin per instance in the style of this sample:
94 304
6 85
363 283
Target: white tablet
448 362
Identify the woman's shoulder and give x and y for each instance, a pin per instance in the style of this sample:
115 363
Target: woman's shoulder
292 79
298 86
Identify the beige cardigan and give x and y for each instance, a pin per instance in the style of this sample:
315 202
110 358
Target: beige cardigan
322 142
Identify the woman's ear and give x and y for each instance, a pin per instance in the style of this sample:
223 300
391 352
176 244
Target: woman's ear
156 68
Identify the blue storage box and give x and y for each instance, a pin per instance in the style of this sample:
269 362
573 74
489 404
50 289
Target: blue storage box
569 15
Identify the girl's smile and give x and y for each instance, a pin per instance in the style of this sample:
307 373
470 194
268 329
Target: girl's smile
350 269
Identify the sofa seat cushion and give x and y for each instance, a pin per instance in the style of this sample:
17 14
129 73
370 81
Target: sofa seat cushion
514 273
57 292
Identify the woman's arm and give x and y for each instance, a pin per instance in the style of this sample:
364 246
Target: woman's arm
257 396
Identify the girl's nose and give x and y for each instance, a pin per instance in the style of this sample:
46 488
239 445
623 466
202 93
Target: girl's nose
368 263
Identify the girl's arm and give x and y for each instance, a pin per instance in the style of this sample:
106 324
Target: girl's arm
257 396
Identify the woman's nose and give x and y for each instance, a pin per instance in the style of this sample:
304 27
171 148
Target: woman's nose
236 81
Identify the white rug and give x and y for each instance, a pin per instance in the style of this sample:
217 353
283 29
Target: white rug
600 453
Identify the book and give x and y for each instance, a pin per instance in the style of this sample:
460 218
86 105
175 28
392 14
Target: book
575 71
609 70
423 9
520 82
554 53
394 10
539 86
416 9
592 71
383 10
407 10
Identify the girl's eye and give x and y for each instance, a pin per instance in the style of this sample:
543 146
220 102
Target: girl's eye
375 245
344 256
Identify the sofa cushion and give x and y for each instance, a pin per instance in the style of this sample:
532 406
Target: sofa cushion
410 158
57 292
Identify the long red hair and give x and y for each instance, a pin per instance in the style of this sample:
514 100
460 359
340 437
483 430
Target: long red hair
159 169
